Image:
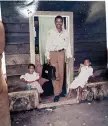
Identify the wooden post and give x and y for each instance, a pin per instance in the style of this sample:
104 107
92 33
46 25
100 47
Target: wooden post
32 40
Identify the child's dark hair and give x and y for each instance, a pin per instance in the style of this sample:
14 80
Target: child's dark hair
31 65
86 59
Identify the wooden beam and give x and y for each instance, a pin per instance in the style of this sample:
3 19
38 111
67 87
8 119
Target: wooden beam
17 59
17 37
97 83
16 27
53 104
17 48
14 70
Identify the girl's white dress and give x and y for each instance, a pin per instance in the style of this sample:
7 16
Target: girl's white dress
33 79
82 78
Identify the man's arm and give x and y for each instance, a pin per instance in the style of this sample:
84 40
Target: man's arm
68 49
47 49
81 65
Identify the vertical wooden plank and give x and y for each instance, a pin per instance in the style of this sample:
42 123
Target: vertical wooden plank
32 40
70 65
106 6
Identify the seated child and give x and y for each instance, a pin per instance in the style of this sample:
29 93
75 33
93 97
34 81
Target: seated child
80 81
31 79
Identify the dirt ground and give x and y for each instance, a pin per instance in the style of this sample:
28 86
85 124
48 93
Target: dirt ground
84 114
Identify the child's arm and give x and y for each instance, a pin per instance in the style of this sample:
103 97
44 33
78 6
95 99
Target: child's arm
37 76
91 72
22 78
81 65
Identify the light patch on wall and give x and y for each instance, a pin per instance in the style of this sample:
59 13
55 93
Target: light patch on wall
96 11
29 8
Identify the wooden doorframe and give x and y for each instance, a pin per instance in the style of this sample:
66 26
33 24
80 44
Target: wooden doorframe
70 66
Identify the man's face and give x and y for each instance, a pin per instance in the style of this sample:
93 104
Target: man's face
58 23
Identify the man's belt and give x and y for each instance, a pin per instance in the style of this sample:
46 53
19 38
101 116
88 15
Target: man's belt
58 50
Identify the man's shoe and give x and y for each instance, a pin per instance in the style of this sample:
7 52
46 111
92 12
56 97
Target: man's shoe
56 98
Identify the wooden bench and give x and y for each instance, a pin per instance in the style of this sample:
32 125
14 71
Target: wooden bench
26 100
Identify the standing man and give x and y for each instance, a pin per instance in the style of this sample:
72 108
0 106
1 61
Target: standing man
57 46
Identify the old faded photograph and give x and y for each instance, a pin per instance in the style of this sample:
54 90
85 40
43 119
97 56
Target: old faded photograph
53 63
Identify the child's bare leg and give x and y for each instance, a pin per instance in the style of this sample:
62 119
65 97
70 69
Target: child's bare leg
78 93
70 93
81 93
40 100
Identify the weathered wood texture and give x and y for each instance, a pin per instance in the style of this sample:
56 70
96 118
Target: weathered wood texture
23 100
15 84
17 49
89 38
17 64
17 38
16 27
13 70
17 59
26 100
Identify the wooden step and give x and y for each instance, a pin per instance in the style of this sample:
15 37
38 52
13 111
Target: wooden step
54 104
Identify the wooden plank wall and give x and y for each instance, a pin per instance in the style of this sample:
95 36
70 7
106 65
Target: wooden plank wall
17 39
89 38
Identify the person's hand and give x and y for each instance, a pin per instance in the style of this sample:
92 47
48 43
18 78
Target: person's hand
48 61
81 65
23 79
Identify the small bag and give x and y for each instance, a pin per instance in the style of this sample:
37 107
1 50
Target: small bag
49 72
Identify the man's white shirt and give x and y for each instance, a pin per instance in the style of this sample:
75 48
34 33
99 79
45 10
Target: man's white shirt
58 41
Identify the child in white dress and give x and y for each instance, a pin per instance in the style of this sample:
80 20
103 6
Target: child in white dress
31 78
80 81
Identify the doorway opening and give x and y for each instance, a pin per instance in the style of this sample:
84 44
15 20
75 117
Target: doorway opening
40 23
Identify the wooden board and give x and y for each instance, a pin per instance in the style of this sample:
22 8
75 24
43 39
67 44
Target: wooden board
17 49
16 27
17 64
89 38
17 38
17 59
85 29
53 104
90 46
16 70
97 83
